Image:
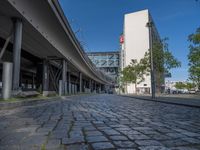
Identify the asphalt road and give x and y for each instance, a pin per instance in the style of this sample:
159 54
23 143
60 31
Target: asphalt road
100 122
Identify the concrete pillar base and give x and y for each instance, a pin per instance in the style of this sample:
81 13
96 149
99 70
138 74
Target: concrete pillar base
7 80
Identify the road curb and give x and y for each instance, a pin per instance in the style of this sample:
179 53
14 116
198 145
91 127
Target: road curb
162 101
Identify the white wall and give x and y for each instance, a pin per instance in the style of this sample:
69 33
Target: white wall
136 41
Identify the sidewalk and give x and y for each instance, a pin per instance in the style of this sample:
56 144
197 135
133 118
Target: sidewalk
184 100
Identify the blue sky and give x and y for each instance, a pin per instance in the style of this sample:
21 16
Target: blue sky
99 23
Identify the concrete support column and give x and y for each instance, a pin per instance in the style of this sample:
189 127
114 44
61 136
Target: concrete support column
69 83
75 88
64 76
100 88
45 78
7 80
80 82
26 84
90 85
83 88
72 89
64 70
60 87
17 43
103 88
95 86
33 81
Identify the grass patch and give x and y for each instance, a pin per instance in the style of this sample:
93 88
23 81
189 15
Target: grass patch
40 96
17 99
9 100
43 147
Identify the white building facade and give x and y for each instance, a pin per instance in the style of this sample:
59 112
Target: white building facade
135 43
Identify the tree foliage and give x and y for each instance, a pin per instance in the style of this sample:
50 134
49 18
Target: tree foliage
128 74
188 85
134 73
163 61
194 57
180 85
163 58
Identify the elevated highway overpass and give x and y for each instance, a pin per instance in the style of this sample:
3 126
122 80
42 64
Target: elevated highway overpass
44 49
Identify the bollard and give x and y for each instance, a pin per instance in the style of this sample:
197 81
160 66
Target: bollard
7 80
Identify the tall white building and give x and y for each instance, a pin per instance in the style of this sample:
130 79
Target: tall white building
135 43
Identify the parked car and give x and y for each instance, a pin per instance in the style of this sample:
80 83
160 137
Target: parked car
185 91
192 91
174 92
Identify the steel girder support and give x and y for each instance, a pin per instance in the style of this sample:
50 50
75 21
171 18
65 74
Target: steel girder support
55 74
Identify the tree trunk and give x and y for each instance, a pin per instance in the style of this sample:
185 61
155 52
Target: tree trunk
158 84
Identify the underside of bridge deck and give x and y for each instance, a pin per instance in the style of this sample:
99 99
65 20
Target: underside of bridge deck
45 56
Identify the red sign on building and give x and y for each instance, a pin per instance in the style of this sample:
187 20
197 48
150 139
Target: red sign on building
121 39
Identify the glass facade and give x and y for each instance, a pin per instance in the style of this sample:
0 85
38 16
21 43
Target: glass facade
109 62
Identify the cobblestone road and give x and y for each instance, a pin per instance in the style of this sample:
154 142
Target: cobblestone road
100 122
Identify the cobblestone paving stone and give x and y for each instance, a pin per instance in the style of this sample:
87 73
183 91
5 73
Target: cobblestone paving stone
100 122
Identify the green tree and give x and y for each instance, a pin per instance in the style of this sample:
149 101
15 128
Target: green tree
163 61
134 73
190 86
128 75
163 58
194 58
180 85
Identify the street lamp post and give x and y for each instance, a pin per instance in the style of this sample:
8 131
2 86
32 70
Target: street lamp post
149 25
